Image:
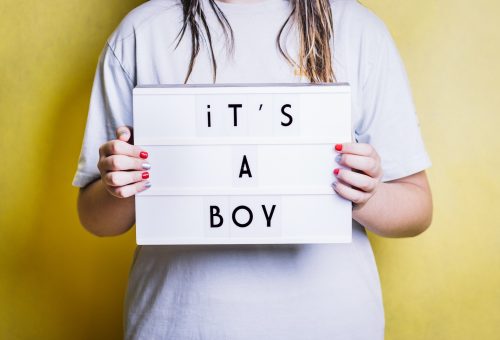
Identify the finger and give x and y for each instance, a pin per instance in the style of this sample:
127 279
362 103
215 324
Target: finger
356 179
129 190
119 147
361 149
121 163
121 178
366 164
125 133
353 195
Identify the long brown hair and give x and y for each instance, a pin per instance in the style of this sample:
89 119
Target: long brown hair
314 23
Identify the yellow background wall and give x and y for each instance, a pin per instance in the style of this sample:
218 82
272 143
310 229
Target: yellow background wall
57 281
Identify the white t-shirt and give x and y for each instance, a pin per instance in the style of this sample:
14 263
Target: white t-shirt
320 291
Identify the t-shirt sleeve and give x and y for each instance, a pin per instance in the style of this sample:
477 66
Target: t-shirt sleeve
110 107
390 123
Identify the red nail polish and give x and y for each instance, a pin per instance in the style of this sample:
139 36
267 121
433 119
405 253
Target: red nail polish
336 171
338 147
143 155
145 175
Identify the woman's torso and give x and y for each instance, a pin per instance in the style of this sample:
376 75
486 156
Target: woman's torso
320 291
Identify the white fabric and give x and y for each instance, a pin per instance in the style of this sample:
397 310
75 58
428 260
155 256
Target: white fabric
328 291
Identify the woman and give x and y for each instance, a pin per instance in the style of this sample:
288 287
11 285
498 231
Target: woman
300 291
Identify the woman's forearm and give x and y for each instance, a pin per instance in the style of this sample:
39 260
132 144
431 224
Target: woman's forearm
103 214
397 209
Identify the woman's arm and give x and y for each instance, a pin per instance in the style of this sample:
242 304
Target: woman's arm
106 207
398 208
103 214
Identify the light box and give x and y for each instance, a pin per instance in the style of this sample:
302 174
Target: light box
242 163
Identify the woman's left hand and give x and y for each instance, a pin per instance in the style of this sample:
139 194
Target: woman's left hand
365 176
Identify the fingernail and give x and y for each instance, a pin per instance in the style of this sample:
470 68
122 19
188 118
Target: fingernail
336 171
147 184
143 155
338 158
334 184
338 147
146 166
123 135
145 175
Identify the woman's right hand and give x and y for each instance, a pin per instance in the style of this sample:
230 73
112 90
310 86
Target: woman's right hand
123 166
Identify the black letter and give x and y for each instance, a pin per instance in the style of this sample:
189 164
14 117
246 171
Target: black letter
235 112
212 214
208 114
242 225
244 165
286 114
268 218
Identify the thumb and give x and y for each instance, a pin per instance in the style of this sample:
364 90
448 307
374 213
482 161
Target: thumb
124 133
